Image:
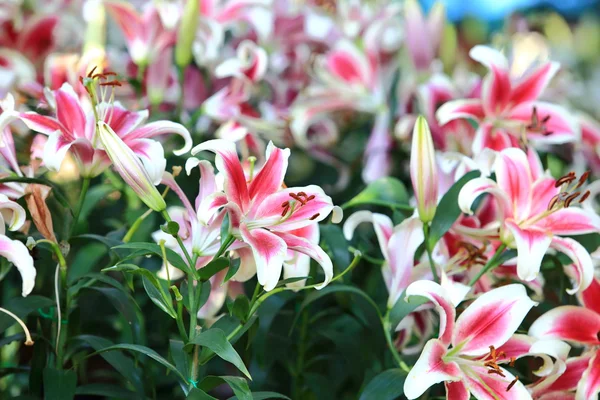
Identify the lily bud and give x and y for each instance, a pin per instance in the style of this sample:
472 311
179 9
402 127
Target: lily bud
129 166
186 33
423 170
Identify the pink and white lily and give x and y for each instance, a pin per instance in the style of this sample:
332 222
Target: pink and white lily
534 212
509 110
263 214
14 251
465 351
423 36
581 326
145 34
73 129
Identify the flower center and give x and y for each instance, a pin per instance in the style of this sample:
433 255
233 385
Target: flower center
474 256
538 125
100 87
298 201
494 368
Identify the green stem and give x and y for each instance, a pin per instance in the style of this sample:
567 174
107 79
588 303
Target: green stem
393 206
188 258
84 189
429 249
388 338
492 262
180 325
224 246
300 360
136 225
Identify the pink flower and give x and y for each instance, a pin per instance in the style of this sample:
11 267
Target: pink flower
250 63
487 324
263 214
144 33
423 36
579 325
508 106
73 129
533 210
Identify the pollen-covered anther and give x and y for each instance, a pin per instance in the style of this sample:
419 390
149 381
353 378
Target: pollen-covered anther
568 178
538 125
314 217
585 195
570 198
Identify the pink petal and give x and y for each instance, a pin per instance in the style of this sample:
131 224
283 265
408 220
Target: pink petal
517 346
169 180
535 164
589 384
377 153
227 162
542 192
207 184
126 17
311 249
269 252
401 249
348 64
495 91
571 221
458 109
418 41
478 186
561 124
534 84
443 305
162 128
491 319
457 391
210 205
486 386
69 111
491 137
582 262
381 223
571 323
30 40
590 297
123 121
16 252
270 178
247 265
430 369
55 150
269 212
532 244
42 124
514 178
568 380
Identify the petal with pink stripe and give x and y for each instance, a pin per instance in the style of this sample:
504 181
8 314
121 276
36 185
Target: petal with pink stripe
571 323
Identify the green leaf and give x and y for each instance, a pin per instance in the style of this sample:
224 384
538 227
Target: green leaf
238 384
105 390
264 396
212 268
122 301
179 356
241 307
388 385
171 228
124 365
448 211
216 340
401 309
107 241
197 394
94 196
336 244
59 384
146 351
386 191
22 307
316 295
234 266
151 248
153 288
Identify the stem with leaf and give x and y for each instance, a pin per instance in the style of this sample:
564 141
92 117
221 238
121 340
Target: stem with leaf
492 263
429 249
84 189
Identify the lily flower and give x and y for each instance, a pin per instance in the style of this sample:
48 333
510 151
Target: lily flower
14 251
145 34
464 354
509 110
581 326
423 36
534 211
73 129
263 214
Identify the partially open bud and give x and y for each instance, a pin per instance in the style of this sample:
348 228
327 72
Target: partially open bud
129 166
423 170
187 33
35 196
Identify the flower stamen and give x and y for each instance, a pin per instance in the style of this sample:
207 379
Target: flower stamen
510 385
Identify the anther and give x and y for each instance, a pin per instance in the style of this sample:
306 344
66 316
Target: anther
285 204
92 71
570 177
583 179
553 202
572 197
497 372
512 362
314 216
512 383
585 196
